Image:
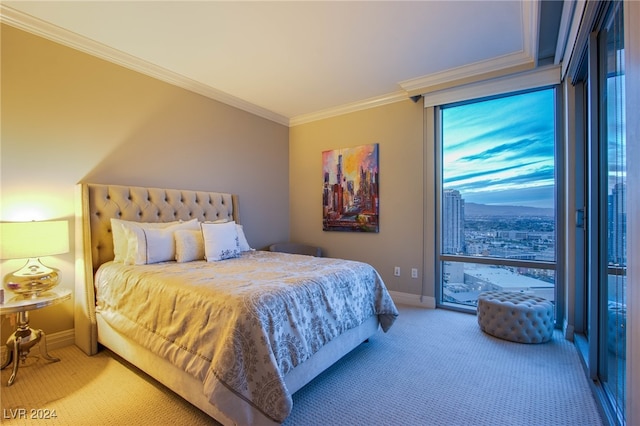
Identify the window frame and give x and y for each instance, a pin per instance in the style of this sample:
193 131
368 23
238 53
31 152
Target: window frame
559 204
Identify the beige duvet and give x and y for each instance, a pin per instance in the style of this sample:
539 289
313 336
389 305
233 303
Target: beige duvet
242 323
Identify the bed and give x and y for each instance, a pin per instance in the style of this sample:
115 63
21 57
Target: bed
236 333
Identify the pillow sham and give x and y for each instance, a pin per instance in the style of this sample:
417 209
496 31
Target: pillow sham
153 245
220 241
189 245
120 240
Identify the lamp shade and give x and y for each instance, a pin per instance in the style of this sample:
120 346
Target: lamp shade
19 240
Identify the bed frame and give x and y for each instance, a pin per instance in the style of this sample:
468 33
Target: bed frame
96 205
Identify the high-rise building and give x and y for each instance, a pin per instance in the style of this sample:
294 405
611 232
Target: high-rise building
617 225
452 222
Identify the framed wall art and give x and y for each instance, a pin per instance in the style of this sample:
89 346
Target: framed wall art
350 193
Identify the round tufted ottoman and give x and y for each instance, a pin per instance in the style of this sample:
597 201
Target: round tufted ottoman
515 316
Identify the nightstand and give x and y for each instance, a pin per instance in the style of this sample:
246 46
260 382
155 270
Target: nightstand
24 338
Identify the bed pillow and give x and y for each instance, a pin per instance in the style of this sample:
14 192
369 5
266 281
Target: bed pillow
120 240
189 245
244 245
242 239
220 241
153 245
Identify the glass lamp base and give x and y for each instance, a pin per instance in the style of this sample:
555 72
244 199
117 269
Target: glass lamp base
32 279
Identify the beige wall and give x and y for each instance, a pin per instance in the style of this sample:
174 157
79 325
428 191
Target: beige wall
398 129
68 117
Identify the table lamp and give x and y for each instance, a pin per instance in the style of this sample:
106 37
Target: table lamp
31 240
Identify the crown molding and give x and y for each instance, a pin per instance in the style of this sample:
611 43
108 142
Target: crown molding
67 38
566 21
517 61
348 108
70 39
548 75
467 73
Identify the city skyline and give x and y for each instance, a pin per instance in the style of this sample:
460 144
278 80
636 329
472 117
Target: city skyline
354 160
501 151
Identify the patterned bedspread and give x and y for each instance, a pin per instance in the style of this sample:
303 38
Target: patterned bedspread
245 322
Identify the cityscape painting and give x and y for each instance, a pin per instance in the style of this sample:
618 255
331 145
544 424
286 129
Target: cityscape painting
350 189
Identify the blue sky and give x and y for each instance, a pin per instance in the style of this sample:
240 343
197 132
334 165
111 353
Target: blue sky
501 151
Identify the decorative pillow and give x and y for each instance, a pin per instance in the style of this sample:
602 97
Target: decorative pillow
189 245
120 240
243 243
152 245
220 241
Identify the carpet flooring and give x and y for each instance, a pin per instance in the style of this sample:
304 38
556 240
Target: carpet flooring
434 367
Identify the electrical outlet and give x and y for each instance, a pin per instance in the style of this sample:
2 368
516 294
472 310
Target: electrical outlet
396 271
414 272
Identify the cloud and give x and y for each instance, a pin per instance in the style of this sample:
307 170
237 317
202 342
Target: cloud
486 172
513 150
502 149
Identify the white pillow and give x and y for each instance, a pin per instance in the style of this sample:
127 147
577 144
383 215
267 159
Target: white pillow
244 245
120 240
242 239
150 245
220 241
189 245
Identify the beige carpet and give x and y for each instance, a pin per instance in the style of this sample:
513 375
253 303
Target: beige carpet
97 390
434 367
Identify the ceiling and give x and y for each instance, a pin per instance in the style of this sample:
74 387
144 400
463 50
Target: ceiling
297 61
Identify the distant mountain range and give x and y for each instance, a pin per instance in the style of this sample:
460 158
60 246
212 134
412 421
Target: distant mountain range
473 209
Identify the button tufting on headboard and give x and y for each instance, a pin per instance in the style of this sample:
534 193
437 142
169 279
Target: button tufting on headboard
105 202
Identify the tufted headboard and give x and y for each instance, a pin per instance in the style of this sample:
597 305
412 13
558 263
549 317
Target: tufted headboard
97 204
138 204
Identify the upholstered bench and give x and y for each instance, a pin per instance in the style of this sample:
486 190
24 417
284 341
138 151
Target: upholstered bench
517 317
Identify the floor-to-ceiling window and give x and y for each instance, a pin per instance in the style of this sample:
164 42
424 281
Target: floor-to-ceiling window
497 196
615 303
602 254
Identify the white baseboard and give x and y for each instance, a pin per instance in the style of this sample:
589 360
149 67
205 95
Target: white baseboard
54 341
413 299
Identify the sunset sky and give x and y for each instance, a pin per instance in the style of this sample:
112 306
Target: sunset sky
501 151
365 156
